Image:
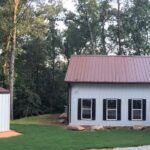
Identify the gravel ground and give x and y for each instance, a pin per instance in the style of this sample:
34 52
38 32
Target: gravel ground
135 148
128 148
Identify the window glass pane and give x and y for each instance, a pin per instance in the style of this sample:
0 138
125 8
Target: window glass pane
86 114
86 103
111 114
111 104
136 114
137 104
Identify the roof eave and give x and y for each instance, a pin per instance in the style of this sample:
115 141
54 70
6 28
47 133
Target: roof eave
107 82
4 91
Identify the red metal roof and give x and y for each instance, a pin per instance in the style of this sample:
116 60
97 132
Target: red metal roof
109 69
3 91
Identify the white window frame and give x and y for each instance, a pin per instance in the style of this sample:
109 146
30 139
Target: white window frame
132 109
82 109
107 109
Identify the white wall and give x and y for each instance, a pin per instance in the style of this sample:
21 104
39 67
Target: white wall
4 112
102 91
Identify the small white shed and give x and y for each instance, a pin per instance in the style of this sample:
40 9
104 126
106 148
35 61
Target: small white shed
4 110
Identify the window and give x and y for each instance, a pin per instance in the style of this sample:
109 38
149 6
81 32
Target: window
137 109
111 109
86 109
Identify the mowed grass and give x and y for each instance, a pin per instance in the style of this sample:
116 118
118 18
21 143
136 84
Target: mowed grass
40 120
50 137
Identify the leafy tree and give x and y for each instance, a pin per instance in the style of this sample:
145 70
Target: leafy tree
130 34
87 32
39 69
35 73
139 27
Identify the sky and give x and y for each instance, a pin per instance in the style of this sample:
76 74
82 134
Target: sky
69 4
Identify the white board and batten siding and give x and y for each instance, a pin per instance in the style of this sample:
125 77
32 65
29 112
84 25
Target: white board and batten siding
4 112
103 91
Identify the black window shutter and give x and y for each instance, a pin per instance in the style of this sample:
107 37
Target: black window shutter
129 109
93 109
79 109
104 109
144 109
118 109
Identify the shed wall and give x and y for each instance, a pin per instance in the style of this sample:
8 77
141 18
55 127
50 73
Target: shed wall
102 91
4 112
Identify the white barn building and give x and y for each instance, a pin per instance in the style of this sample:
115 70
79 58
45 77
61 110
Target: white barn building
109 90
4 110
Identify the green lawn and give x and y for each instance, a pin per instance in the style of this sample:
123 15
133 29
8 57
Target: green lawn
50 137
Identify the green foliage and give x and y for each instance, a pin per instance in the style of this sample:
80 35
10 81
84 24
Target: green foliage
31 24
140 21
29 103
124 30
83 29
36 90
134 28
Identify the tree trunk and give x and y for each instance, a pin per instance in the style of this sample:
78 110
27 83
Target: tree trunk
91 35
93 44
103 37
52 29
13 49
118 22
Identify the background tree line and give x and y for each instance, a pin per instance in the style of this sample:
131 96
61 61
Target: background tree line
42 50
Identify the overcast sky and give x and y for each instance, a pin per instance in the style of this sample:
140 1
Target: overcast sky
69 4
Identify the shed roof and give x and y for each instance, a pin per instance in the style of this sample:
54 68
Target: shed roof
3 91
108 69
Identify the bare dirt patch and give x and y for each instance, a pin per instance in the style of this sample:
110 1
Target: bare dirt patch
8 134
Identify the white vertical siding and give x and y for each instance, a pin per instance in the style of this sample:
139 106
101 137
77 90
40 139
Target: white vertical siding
4 112
102 91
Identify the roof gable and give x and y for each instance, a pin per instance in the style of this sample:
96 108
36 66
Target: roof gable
108 69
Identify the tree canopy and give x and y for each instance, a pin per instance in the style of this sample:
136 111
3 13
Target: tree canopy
43 50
